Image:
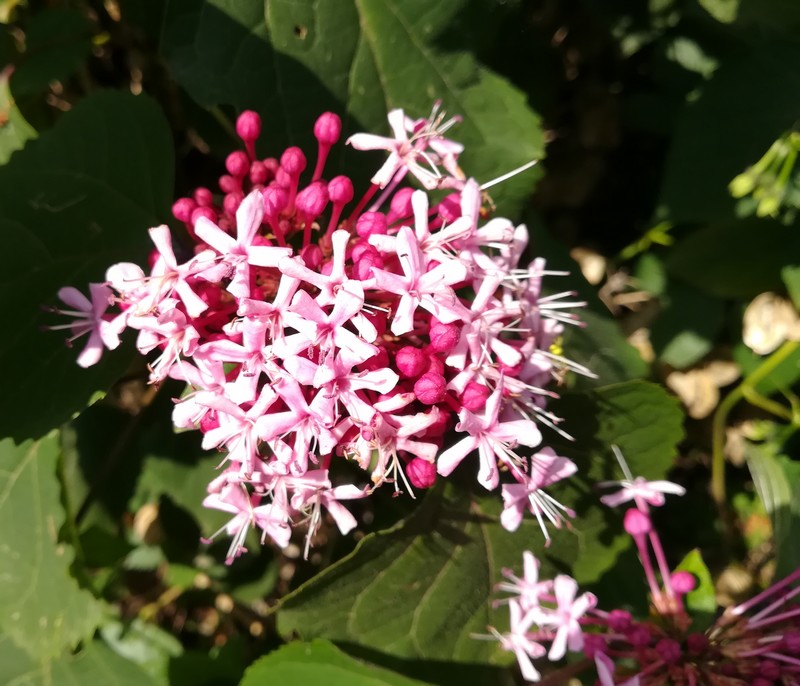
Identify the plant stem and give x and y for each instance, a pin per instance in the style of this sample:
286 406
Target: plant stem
747 390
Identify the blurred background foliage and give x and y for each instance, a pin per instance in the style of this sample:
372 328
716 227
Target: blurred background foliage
668 186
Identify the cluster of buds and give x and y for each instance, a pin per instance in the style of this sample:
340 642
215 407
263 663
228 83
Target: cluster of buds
402 335
752 644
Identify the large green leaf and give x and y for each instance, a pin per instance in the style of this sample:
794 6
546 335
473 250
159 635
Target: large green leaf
319 662
423 587
292 60
73 202
751 100
41 606
95 664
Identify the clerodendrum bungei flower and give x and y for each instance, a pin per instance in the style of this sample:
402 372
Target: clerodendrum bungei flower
398 332
756 643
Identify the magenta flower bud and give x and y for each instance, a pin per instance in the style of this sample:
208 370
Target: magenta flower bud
248 126
293 161
410 362
636 523
400 205
275 200
639 636
669 650
620 621
371 223
362 249
683 582
791 640
340 190
237 164
328 128
311 201
474 396
593 644
449 208
430 388
203 197
258 173
283 178
697 644
232 201
444 337
182 209
362 268
206 212
421 473
312 256
227 184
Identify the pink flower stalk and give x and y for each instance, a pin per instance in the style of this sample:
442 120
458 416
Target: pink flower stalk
314 327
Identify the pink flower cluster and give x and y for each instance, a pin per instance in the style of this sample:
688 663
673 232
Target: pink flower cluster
309 335
756 643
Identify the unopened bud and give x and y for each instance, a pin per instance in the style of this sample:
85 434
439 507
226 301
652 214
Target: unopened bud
293 161
421 473
248 126
444 337
203 197
474 396
410 362
311 201
237 164
182 209
371 223
340 190
430 388
636 522
400 205
328 128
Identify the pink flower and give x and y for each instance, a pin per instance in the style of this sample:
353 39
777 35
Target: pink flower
89 318
638 489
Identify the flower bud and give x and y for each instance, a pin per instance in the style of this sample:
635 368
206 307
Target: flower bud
410 362
206 212
683 582
311 201
421 473
275 201
444 337
449 208
636 523
430 388
620 621
669 650
340 190
311 256
293 161
400 205
203 197
697 644
258 173
474 396
182 209
248 126
232 201
328 128
371 223
228 184
237 164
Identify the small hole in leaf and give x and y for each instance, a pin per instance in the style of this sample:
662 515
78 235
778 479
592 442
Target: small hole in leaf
301 31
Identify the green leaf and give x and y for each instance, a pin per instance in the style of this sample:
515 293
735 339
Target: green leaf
95 664
701 602
752 99
724 11
777 482
57 41
735 260
41 606
144 644
73 202
15 131
687 326
422 588
293 60
791 279
780 379
319 662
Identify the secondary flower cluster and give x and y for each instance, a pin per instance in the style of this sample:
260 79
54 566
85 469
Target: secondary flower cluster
308 335
752 644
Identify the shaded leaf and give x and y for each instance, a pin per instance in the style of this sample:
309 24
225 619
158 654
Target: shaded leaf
144 644
41 606
421 588
298 664
56 44
95 664
735 260
791 279
291 61
74 201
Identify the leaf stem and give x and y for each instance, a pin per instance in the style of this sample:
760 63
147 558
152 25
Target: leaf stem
745 390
